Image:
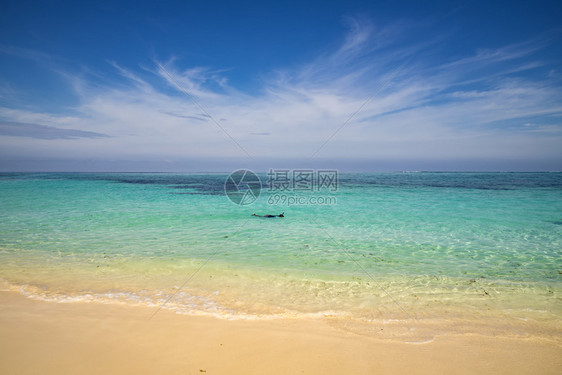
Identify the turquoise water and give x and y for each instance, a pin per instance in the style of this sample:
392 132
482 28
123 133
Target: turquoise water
430 249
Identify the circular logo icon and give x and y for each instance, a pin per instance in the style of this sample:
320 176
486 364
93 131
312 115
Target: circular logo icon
242 187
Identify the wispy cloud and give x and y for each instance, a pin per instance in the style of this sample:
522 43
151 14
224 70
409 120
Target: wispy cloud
432 108
492 56
15 129
29 54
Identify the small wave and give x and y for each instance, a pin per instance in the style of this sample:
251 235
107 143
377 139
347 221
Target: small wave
418 329
182 303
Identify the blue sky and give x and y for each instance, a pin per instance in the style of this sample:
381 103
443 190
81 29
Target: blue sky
354 85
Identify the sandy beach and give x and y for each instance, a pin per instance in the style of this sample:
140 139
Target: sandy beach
39 337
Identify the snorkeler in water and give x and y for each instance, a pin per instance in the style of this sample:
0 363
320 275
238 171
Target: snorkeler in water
280 215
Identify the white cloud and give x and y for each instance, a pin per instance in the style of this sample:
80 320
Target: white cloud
425 111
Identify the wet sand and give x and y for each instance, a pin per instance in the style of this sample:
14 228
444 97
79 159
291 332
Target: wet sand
39 337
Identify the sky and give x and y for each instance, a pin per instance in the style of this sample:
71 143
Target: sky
186 86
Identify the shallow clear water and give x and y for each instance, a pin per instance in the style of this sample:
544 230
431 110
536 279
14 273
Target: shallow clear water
427 249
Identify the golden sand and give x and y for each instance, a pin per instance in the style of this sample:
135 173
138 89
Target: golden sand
39 337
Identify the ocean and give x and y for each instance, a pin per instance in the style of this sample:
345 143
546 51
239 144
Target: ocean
402 256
